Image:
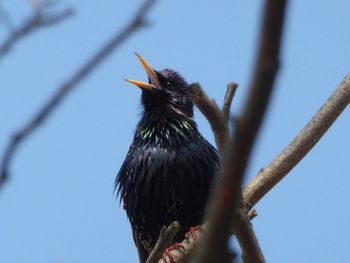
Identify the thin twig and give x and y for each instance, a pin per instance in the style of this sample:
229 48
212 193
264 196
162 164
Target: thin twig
230 93
166 237
267 178
217 119
62 91
37 21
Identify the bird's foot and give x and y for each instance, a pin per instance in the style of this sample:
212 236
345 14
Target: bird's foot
192 233
167 253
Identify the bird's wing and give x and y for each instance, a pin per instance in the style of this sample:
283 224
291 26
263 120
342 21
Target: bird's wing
122 184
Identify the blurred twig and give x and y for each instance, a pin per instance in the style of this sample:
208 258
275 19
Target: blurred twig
135 23
37 21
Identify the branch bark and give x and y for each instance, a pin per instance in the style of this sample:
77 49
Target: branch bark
247 240
267 178
62 91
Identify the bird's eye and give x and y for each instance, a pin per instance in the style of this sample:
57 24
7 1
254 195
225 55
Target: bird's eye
168 84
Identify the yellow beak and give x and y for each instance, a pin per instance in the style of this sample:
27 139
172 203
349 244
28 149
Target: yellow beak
152 75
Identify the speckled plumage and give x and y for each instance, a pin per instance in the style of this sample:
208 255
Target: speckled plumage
170 168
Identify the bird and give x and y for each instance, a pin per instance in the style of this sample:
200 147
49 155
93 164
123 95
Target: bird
170 168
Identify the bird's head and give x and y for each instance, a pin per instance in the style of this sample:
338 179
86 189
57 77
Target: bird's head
165 92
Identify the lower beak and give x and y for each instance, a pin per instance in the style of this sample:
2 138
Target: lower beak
141 84
152 75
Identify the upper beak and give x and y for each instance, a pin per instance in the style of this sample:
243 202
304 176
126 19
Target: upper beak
152 75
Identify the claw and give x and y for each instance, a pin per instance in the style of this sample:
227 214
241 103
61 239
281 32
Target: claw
192 233
167 253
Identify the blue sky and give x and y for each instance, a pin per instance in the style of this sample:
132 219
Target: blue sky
59 205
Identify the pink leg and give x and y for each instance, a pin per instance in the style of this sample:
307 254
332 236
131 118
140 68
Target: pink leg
192 233
167 252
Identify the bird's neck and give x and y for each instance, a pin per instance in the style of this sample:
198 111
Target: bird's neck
164 130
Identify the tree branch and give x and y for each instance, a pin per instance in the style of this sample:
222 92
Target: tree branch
267 178
247 240
72 82
37 21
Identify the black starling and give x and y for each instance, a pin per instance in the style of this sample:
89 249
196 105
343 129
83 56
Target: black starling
170 168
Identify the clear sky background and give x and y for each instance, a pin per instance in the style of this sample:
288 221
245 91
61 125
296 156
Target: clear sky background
59 205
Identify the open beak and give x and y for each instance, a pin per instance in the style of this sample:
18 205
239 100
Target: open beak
152 75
